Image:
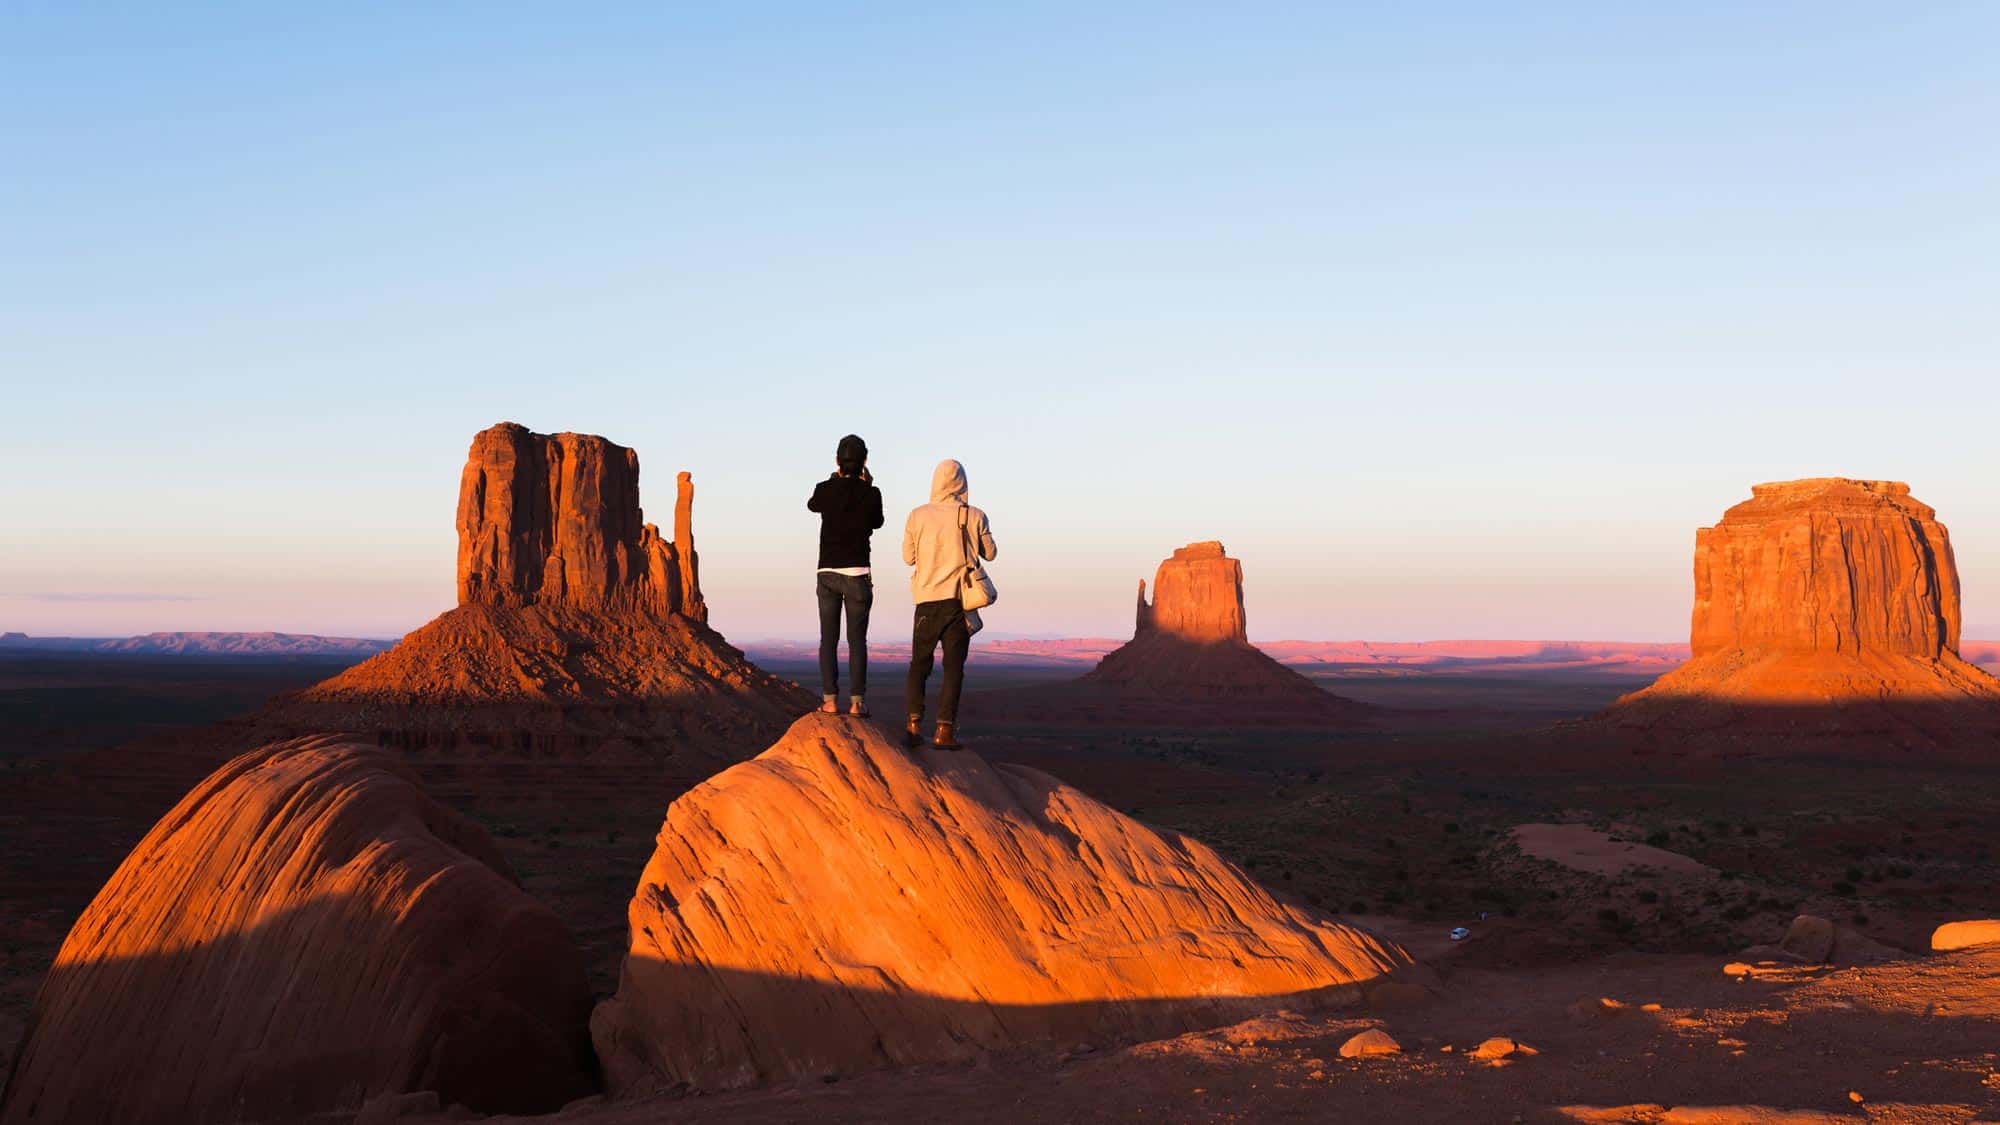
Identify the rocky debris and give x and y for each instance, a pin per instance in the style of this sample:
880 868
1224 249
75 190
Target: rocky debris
554 519
1966 935
971 906
1813 941
1370 1044
1652 1113
1823 608
1808 939
1500 1047
306 932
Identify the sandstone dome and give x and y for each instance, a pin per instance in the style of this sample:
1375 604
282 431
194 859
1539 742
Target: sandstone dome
1823 608
302 932
838 904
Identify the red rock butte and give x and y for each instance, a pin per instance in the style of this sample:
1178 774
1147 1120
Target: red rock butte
579 664
1197 596
970 906
554 519
1822 607
1190 661
304 931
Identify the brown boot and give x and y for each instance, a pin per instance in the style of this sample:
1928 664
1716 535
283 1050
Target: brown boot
913 735
943 740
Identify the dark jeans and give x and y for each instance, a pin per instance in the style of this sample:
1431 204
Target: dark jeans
938 622
857 593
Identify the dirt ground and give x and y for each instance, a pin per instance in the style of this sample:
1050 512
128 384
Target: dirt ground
1410 825
1627 1037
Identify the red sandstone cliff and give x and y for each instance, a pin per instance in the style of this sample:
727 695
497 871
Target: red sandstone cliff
303 931
1825 607
969 906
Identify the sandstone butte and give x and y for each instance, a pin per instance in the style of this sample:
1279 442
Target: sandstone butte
1822 607
578 665
302 932
969 906
1190 661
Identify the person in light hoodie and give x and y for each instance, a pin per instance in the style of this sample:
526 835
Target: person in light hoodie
937 540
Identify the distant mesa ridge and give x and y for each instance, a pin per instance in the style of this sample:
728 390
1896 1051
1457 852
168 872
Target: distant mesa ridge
201 644
1823 607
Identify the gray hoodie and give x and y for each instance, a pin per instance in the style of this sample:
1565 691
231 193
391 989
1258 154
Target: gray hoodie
932 541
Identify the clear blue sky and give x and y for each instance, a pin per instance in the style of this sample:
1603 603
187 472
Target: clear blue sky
1450 320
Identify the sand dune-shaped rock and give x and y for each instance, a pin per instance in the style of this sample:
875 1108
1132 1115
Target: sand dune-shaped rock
304 931
838 904
1825 607
1189 662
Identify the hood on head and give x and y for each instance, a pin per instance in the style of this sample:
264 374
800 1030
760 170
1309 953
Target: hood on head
948 482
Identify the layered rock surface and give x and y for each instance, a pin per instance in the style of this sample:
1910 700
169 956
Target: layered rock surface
554 519
1823 607
968 906
1190 662
578 666
304 931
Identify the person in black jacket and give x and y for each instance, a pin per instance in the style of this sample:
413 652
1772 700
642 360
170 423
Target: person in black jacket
850 508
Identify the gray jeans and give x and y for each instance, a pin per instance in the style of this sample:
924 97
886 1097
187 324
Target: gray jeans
855 592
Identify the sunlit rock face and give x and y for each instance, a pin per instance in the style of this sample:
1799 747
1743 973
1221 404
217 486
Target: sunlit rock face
579 664
1197 596
1824 607
304 931
838 904
554 519
1826 566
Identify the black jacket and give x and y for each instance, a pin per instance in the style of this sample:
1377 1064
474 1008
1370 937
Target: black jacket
849 509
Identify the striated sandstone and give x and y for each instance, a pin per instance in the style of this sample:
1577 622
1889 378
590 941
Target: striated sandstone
304 932
968 906
1197 596
554 519
1824 608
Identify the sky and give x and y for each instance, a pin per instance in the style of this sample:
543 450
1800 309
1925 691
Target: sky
1449 320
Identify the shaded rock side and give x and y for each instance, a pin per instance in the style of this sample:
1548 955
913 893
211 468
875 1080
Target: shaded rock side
304 931
1825 607
837 904
554 519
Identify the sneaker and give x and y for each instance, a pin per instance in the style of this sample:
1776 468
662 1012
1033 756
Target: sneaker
913 735
828 705
855 706
943 740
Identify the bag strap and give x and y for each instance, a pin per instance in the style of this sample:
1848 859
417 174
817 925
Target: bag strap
965 535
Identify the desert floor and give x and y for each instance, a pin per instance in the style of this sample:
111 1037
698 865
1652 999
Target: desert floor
1410 825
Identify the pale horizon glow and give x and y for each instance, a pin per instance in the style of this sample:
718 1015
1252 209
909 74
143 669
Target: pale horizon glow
1452 323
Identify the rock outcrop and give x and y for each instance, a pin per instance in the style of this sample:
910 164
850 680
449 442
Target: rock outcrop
577 667
304 931
1197 596
1190 662
1825 607
554 519
970 906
